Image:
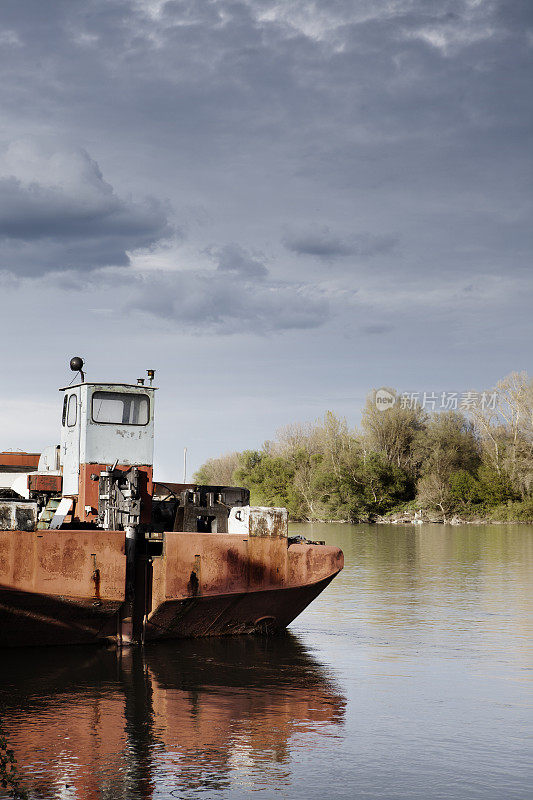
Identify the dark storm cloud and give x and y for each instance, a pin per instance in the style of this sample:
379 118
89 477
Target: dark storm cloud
357 77
413 113
326 245
332 124
208 68
385 67
62 215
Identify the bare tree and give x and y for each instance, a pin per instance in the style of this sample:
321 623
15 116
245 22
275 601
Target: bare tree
294 438
505 429
433 491
218 471
392 432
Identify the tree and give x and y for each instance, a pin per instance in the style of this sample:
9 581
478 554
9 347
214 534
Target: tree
306 484
295 438
447 451
505 429
434 492
392 432
465 489
270 480
218 471
325 470
377 486
495 488
515 407
447 443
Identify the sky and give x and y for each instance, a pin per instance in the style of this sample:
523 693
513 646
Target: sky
278 206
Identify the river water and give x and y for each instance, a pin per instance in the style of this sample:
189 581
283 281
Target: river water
411 676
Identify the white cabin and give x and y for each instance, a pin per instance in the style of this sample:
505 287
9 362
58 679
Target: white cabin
105 423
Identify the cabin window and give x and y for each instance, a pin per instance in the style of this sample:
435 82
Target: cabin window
120 408
64 417
72 410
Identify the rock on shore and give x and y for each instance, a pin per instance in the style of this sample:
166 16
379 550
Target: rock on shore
423 517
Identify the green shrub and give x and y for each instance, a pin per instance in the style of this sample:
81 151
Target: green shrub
517 511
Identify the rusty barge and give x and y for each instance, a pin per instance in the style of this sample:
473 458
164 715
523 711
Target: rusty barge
92 549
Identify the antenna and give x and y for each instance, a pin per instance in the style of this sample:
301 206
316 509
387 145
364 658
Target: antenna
184 465
76 365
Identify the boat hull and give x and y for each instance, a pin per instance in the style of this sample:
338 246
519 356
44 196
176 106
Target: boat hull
67 587
32 619
258 612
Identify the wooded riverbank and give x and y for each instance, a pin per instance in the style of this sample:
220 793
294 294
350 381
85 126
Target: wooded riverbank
473 464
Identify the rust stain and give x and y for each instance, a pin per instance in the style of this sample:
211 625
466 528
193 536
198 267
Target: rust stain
23 556
73 558
4 557
51 557
44 483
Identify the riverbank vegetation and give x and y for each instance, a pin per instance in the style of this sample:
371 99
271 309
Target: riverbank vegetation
474 462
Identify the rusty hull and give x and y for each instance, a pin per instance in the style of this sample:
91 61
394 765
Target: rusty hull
60 587
215 585
67 586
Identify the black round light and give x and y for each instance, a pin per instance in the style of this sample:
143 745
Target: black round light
76 364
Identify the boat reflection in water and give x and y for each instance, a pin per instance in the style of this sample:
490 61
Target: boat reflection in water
211 715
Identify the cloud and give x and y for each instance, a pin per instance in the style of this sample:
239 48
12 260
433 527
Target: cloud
405 116
322 244
210 301
377 329
234 258
58 213
326 245
239 296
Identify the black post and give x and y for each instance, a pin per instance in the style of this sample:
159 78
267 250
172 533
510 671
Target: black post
138 584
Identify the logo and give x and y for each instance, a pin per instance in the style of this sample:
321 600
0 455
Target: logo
384 399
